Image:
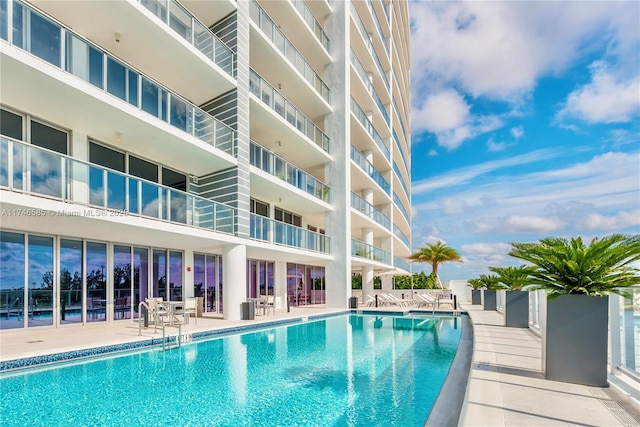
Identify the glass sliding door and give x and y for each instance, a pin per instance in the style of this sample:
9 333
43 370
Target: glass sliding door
160 274
96 296
12 280
40 279
121 282
213 284
175 275
71 292
140 277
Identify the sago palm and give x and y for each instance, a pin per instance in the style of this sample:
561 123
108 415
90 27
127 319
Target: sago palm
570 267
435 254
513 278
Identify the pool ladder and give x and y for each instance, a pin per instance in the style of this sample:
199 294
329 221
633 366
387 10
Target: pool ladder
179 338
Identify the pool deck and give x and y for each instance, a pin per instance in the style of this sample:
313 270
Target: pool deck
505 388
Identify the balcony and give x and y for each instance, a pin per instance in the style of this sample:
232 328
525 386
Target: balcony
296 19
369 128
400 235
370 170
285 109
128 92
193 62
367 209
187 26
267 230
363 250
39 172
369 46
400 206
275 165
362 73
400 263
282 68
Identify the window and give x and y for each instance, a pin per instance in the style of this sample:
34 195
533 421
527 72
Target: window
174 179
11 124
143 169
47 137
259 208
287 217
106 157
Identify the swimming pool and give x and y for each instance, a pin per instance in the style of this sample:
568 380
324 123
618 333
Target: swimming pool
348 370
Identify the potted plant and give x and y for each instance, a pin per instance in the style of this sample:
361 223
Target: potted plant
578 279
516 301
490 286
476 291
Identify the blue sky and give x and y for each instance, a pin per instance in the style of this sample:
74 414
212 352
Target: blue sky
525 124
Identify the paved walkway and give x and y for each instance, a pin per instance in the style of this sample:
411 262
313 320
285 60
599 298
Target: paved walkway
507 388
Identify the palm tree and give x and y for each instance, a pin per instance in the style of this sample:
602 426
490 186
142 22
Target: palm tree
570 267
436 253
513 278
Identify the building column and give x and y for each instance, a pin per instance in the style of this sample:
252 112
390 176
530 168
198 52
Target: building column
280 285
234 260
337 125
187 290
367 283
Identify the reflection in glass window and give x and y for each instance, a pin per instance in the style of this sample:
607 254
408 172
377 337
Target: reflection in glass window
45 39
96 301
12 280
160 274
140 277
175 275
40 281
150 98
70 281
122 282
116 79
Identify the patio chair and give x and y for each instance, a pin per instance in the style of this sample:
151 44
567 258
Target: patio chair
190 306
427 299
270 304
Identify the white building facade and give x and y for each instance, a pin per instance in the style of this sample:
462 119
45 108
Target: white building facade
217 149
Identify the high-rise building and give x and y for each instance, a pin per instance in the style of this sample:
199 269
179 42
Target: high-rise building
218 149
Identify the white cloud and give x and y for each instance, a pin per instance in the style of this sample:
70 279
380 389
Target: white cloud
606 99
517 132
621 220
454 206
496 146
447 114
465 175
433 153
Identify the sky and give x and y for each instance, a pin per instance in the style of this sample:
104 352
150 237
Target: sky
525 125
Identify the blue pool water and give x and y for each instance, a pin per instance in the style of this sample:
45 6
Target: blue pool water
350 370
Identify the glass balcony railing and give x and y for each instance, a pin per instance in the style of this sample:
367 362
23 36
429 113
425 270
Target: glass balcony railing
61 48
273 33
361 205
400 206
400 177
371 130
312 22
269 230
367 82
404 161
195 32
40 172
285 109
400 120
377 22
365 35
275 165
363 250
386 12
369 169
400 235
400 263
